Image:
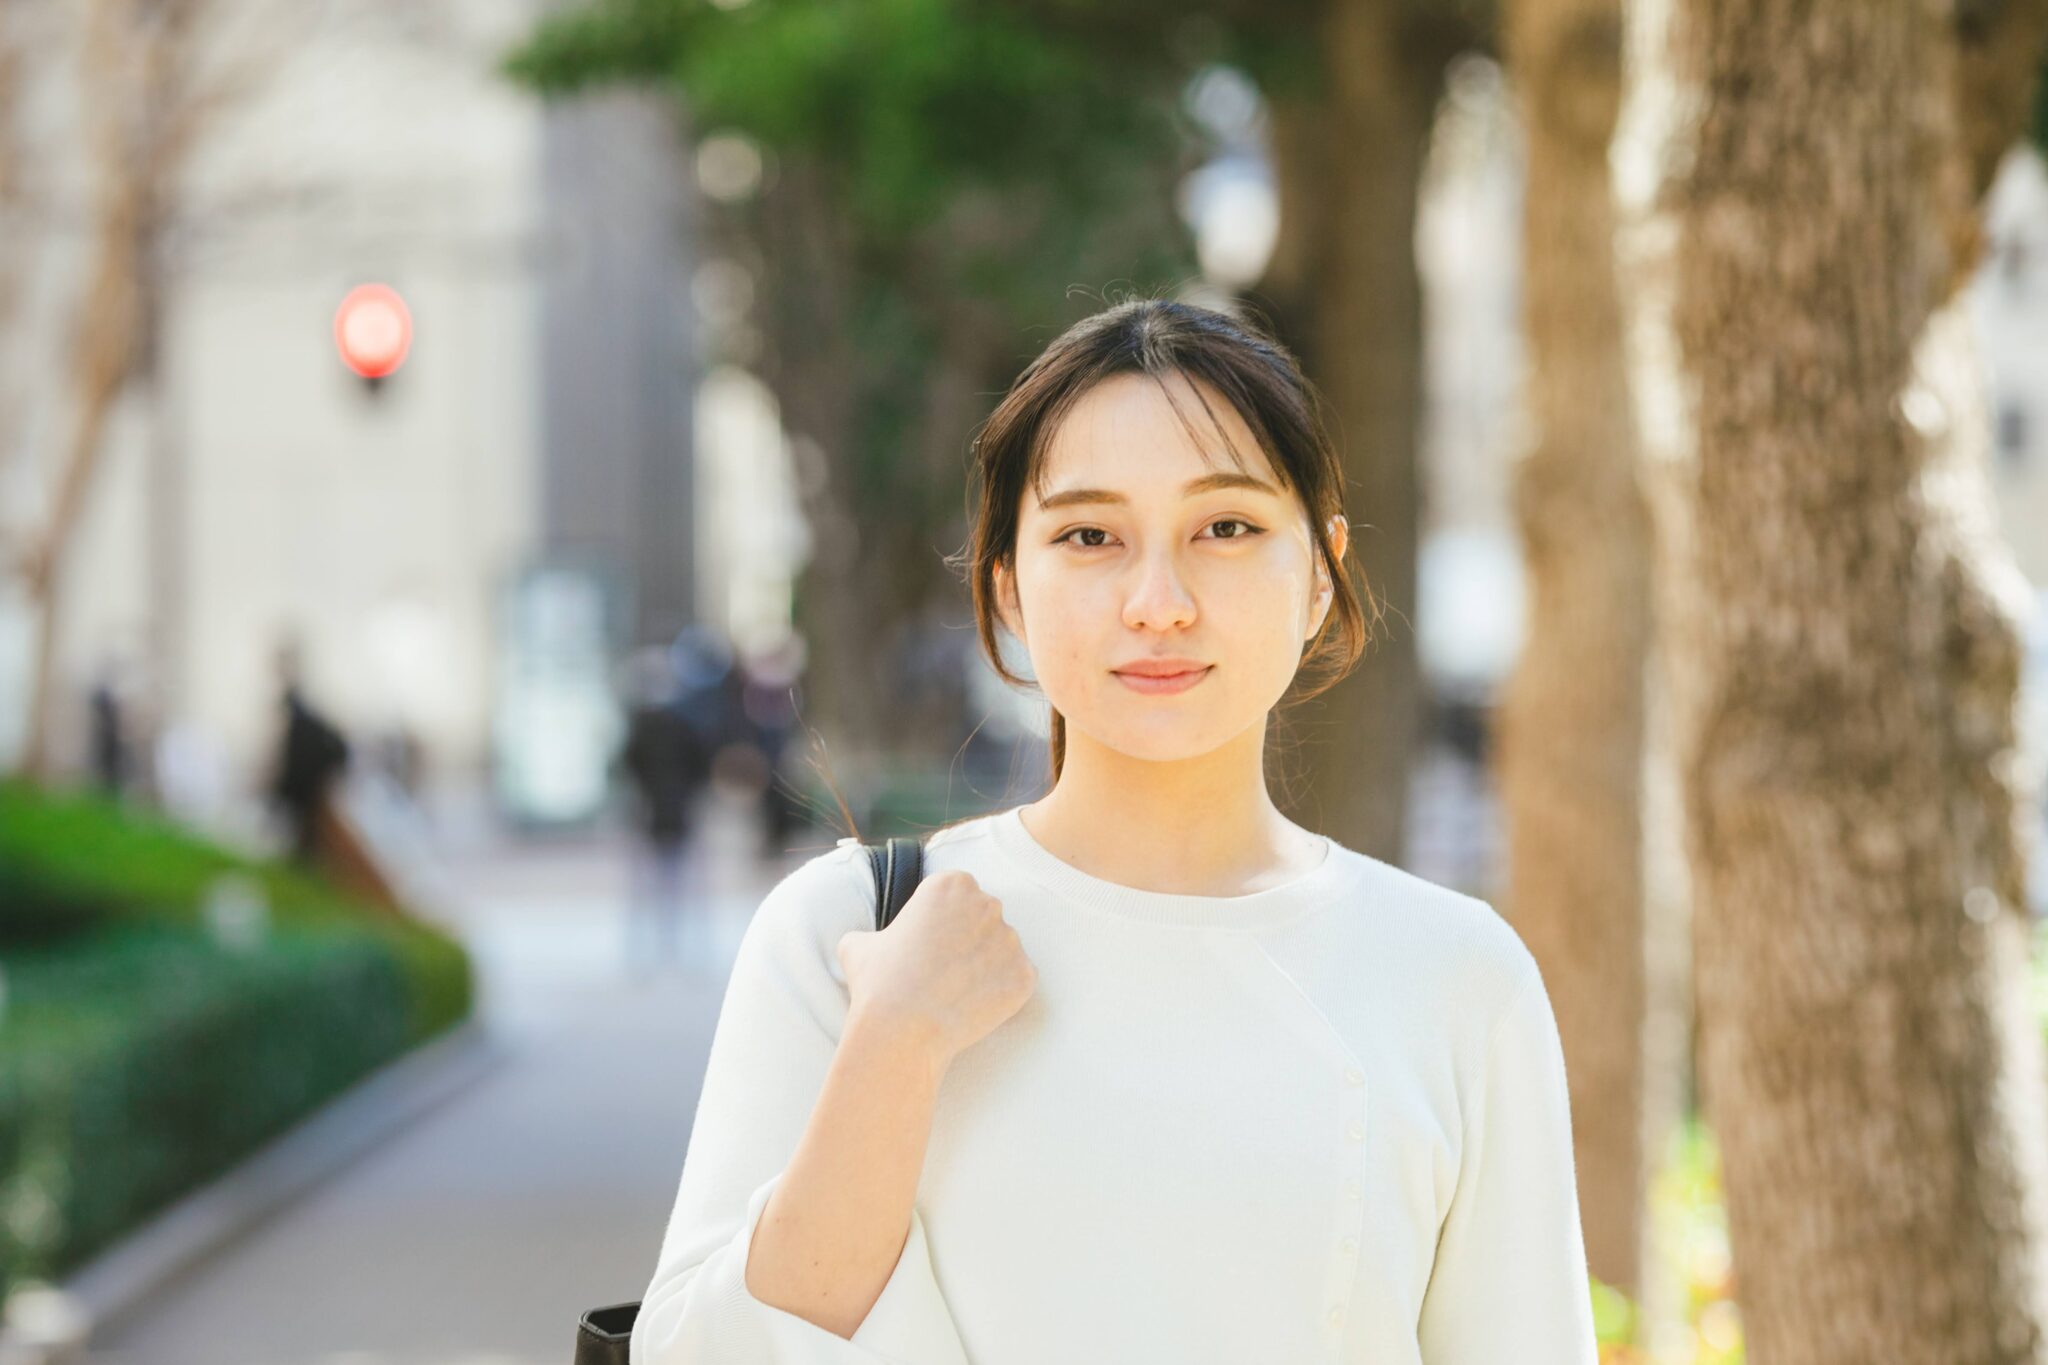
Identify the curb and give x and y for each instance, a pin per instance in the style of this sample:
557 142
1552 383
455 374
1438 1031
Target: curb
56 1324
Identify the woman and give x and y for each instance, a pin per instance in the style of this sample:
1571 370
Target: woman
1143 1071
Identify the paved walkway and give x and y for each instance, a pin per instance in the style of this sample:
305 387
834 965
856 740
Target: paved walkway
478 1235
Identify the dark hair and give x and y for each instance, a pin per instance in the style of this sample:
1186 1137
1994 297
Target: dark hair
1160 337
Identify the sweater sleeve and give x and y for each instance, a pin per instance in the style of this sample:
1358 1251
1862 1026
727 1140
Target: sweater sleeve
778 1028
1510 1279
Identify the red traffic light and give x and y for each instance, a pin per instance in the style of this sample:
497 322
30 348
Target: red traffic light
373 330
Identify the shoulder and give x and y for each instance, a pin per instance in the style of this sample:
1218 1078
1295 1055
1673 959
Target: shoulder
1448 943
816 902
828 893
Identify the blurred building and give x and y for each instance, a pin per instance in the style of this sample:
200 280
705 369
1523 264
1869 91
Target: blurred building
543 417
2010 297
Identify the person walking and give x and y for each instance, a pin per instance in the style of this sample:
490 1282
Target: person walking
110 741
311 754
666 759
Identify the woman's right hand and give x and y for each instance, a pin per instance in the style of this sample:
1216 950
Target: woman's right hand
949 967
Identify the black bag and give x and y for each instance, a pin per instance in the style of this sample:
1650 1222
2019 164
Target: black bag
603 1335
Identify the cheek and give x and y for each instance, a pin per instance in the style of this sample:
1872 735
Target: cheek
1067 646
1058 611
1275 594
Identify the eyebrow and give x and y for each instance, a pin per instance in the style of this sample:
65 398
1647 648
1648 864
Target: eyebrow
1069 497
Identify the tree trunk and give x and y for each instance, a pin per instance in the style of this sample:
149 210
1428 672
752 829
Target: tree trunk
872 513
1848 663
925 720
103 355
16 258
805 275
1344 293
1571 721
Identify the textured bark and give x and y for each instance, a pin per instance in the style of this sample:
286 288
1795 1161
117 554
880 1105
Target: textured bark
1846 664
1998 47
1344 293
1571 718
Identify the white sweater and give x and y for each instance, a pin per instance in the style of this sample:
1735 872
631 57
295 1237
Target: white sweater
1324 1122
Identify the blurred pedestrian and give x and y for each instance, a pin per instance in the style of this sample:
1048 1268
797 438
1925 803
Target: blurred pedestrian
668 762
311 753
110 758
704 692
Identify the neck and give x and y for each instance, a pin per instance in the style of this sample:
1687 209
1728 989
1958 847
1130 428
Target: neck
1203 826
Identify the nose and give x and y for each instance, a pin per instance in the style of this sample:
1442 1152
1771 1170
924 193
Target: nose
1159 600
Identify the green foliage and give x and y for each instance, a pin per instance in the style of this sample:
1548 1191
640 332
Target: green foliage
140 1056
945 184
1687 1213
1614 1315
147 1059
910 104
82 847
93 858
72 861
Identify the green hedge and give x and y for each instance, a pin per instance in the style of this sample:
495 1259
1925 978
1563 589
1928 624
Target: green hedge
140 1057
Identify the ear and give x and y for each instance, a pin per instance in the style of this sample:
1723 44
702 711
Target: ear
1326 593
1007 609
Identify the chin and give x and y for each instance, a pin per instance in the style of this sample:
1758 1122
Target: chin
1154 739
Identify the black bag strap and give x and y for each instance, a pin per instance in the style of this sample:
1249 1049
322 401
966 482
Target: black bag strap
898 866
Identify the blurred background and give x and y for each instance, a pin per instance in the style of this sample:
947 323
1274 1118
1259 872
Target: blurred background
474 479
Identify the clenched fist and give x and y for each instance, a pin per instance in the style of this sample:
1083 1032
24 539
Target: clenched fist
949 968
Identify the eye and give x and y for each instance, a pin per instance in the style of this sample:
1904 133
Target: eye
1065 536
1247 532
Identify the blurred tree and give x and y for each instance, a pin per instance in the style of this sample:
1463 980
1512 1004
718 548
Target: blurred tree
2039 119
1571 723
937 175
1354 90
16 41
156 75
1844 657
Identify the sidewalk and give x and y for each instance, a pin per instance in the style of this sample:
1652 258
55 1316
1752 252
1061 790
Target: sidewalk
479 1234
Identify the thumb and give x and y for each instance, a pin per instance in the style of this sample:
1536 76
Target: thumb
851 947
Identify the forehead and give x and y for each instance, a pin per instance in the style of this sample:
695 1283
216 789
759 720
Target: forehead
1124 434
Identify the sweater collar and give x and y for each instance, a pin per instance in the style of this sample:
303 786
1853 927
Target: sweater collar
1309 891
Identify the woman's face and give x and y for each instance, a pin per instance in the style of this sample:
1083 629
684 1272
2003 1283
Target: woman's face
1143 548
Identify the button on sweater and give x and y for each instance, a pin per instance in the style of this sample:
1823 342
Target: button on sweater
1322 1122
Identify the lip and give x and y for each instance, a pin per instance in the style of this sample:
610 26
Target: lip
1162 665
1160 684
